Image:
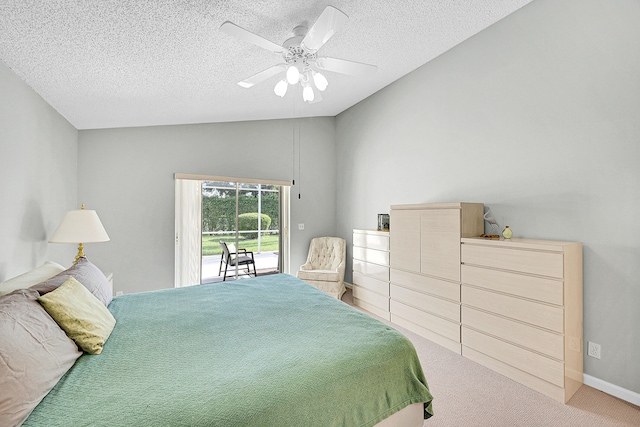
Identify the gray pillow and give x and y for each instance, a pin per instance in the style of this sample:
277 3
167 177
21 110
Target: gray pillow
84 272
34 354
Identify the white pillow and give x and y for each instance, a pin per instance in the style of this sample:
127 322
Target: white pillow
30 278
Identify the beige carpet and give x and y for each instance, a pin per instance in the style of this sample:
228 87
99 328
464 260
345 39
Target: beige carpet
468 394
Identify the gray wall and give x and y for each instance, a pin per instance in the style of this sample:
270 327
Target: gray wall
537 117
38 174
127 176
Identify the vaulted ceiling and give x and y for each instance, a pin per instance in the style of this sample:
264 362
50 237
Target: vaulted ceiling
119 63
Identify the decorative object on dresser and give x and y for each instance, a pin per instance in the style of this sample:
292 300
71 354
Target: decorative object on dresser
383 222
80 226
491 225
425 267
507 233
371 271
522 311
325 264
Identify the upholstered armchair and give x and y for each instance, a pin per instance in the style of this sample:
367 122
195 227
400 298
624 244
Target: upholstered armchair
325 264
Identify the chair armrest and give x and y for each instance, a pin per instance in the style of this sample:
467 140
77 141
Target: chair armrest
306 266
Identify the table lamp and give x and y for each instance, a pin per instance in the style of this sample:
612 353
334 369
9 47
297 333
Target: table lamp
80 226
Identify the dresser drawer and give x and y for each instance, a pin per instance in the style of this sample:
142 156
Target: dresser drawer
426 284
541 366
438 306
532 287
371 241
376 300
538 314
375 271
525 378
446 328
542 263
371 255
374 285
537 339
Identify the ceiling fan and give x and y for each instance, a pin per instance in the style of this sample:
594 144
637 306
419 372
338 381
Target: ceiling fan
301 61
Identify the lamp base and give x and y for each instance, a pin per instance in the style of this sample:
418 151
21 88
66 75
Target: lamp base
80 253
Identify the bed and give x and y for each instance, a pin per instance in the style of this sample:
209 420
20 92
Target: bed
265 351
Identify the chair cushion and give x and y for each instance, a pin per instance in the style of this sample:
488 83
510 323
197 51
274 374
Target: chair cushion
242 259
321 275
326 253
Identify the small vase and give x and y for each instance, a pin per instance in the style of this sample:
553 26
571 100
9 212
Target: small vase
507 233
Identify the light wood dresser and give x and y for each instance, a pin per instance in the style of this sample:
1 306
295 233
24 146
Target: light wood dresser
371 271
522 311
425 267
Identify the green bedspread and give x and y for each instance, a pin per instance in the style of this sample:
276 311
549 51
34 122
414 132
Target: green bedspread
268 351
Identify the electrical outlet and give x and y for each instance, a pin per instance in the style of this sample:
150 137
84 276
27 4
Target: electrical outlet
300 226
593 350
119 293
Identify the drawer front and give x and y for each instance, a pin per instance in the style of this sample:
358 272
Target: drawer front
540 340
376 300
371 255
429 285
532 287
538 314
535 364
374 271
548 264
541 386
371 241
425 320
438 306
374 285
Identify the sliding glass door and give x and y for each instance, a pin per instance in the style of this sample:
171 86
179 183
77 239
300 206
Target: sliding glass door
247 217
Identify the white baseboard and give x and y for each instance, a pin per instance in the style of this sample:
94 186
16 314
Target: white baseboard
612 389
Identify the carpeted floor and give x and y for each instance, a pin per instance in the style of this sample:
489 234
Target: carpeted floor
468 394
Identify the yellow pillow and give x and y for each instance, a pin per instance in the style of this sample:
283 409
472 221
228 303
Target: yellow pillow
80 314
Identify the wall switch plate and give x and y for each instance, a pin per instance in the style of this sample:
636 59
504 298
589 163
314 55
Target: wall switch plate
300 226
593 350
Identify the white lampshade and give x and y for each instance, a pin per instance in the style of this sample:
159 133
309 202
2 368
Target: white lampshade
320 81
307 94
80 226
293 75
281 88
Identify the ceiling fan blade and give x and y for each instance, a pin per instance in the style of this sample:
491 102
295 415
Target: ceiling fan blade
342 66
245 35
324 27
262 75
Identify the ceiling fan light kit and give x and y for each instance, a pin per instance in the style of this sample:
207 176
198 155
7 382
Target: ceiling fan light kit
301 64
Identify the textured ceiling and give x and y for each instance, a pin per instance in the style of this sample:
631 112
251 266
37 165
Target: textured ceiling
117 63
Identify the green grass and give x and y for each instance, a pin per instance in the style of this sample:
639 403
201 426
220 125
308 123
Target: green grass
211 245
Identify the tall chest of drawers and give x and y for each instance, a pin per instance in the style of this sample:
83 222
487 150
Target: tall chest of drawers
522 311
371 271
425 267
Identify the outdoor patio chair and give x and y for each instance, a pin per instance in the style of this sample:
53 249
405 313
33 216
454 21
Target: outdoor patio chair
233 257
324 268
